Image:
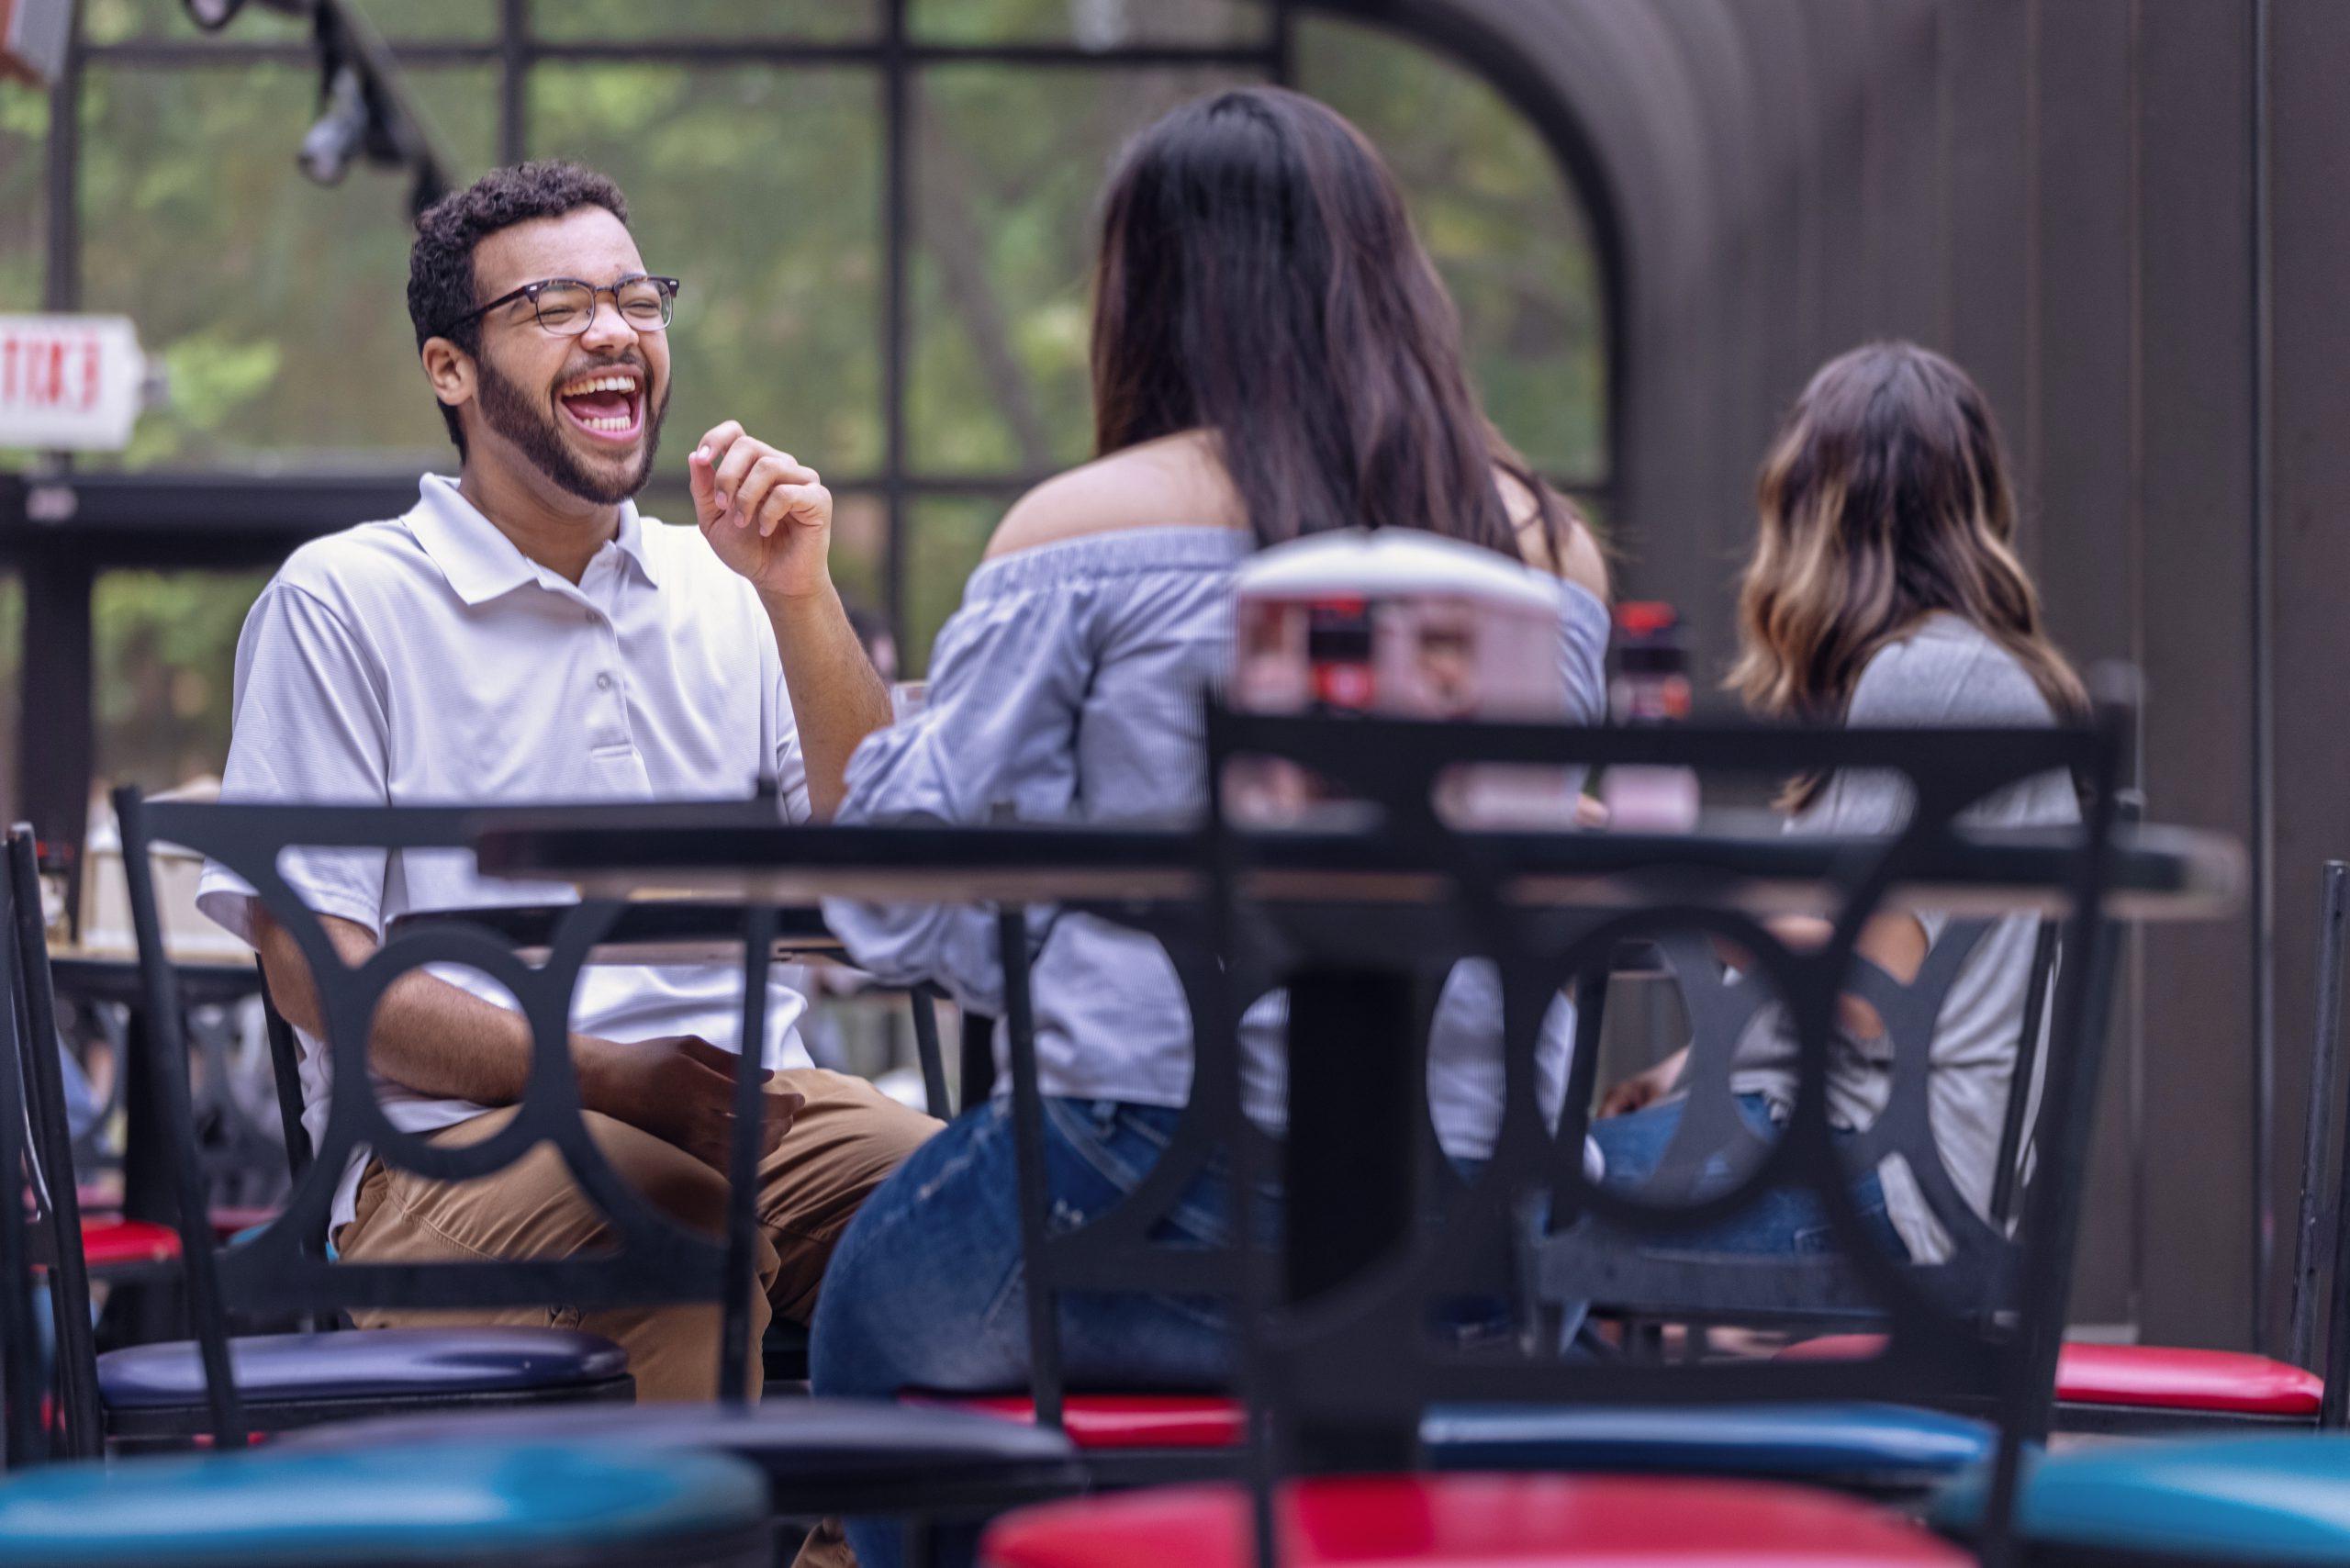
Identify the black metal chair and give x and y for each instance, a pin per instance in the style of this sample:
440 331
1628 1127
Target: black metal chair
153 1395
818 1456
1129 1436
1343 1369
2143 1389
783 1350
2148 1390
464 1506
1138 1437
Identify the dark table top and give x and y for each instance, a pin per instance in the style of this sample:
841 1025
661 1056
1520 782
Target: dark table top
669 932
102 974
736 854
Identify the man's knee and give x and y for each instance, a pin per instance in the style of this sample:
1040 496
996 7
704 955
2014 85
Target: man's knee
665 1175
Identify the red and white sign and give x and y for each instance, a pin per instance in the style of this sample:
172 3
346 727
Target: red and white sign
73 382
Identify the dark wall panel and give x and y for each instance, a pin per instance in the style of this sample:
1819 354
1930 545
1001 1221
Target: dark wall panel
1901 268
1841 36
2196 437
2080 499
2310 128
1987 128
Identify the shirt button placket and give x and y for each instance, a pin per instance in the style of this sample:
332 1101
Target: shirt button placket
614 725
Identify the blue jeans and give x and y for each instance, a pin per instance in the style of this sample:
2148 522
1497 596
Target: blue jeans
925 1290
1782 1221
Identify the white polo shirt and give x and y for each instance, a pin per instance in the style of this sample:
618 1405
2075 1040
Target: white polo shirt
426 661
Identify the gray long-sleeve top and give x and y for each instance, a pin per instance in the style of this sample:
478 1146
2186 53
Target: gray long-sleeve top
1066 689
1948 673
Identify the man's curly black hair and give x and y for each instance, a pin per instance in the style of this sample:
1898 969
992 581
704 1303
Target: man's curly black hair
441 263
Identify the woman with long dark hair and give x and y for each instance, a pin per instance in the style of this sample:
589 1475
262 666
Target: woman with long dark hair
1274 356
1884 590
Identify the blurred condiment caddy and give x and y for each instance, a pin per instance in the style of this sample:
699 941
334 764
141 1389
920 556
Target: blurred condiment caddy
1401 623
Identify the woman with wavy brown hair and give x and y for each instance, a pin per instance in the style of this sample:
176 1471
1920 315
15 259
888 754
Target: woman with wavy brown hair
1884 589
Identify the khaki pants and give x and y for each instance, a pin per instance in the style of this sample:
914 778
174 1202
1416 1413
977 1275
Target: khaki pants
845 1140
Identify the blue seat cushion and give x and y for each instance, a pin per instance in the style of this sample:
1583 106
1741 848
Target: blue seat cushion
2280 1499
1886 1444
507 1504
373 1363
831 1453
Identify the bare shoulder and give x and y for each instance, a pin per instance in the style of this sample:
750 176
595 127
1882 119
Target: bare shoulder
1578 558
1174 482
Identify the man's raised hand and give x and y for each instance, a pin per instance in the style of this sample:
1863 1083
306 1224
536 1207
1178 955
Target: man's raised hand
767 515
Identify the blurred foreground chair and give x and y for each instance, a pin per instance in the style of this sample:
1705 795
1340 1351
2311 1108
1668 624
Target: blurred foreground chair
1977 1333
2243 1502
462 1506
648 933
2139 1388
153 1395
1137 1437
817 1457
2142 1390
1128 1436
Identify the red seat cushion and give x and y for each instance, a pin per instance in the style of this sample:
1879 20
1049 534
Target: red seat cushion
2145 1376
1835 1347
118 1242
2171 1379
1473 1521
1119 1420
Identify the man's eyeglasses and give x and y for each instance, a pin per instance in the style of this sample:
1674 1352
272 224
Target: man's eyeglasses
567 305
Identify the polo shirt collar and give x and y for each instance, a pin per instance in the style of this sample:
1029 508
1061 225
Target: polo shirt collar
478 560
631 536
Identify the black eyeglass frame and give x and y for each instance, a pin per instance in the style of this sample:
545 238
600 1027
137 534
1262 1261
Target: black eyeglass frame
531 291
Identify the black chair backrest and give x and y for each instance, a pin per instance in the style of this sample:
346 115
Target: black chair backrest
50 1235
1111 1252
655 1258
2008 1175
2333 936
285 1078
1981 1330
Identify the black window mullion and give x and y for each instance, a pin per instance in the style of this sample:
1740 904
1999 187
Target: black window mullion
896 235
513 81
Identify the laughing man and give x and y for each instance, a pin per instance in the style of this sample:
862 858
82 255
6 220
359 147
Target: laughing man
523 634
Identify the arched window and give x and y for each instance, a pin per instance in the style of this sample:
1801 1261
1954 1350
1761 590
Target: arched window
882 208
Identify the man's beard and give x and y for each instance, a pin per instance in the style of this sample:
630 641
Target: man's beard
513 413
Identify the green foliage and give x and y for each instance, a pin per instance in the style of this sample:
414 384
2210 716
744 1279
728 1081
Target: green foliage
277 305
1095 24
24 206
761 189
828 20
122 21
1004 220
1495 209
165 644
944 540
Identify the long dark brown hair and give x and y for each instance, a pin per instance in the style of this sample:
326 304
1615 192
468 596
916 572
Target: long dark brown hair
1259 279
1885 500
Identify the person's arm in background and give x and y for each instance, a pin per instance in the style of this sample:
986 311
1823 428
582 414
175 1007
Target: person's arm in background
1900 687
1894 943
1007 677
769 517
311 725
